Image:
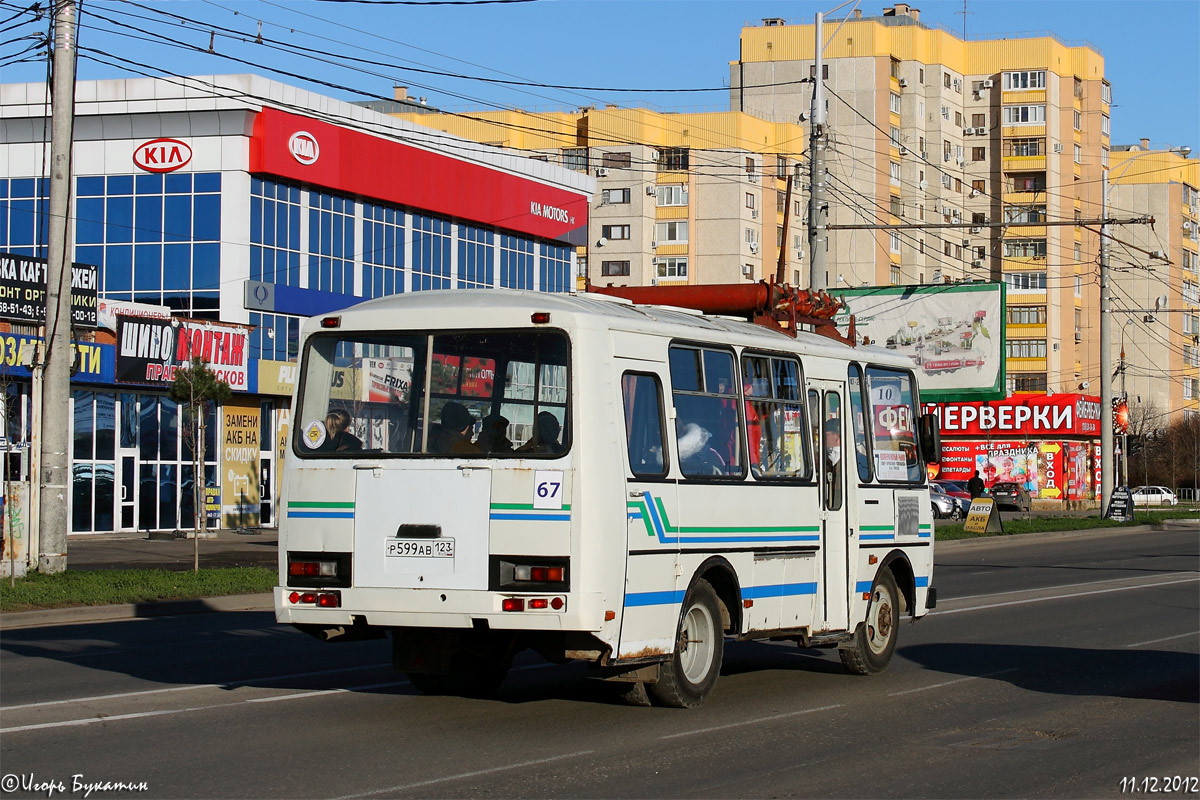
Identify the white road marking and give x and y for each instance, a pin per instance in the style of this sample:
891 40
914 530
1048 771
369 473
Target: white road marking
223 685
464 775
1165 639
1070 586
939 613
951 683
755 721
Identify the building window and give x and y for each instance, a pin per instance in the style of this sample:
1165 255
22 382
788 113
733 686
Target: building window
1025 215
894 136
575 158
274 337
894 241
958 119
1104 157
978 153
476 258
616 160
554 268
779 236
979 120
614 268
614 231
1028 182
1028 383
749 200
1030 79
946 80
1105 122
1189 388
978 185
895 276
431 254
614 196
1025 348
516 263
1025 115
1105 92
1026 315
1025 248
895 68
812 71
331 239
1078 120
894 172
1026 281
894 206
921 76
1078 88
1026 147
1191 291
673 159
671 232
673 194
1078 154
383 250
894 103
781 167
672 267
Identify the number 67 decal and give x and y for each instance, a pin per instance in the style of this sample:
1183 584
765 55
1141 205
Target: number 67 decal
547 489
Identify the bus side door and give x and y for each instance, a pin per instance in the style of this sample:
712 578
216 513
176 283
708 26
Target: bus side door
826 410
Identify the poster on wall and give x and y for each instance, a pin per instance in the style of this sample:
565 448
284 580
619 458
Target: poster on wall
952 333
1038 466
149 351
23 290
240 452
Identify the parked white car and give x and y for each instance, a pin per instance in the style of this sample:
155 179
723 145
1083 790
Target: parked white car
1154 496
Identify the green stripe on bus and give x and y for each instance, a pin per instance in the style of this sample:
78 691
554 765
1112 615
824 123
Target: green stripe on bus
526 507
317 504
877 527
669 528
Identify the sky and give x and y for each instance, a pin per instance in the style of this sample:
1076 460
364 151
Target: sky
360 50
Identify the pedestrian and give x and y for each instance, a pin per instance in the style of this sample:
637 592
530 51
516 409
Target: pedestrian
975 485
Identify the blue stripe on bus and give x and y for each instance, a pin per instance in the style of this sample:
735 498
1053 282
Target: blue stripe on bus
921 582
653 598
321 514
779 590
512 516
878 537
865 586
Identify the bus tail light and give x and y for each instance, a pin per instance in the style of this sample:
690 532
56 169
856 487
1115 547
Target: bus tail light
313 569
538 574
321 599
530 574
533 604
513 604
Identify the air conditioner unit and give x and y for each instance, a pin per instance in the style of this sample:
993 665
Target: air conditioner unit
924 155
976 229
1056 345
973 193
1058 148
799 255
654 281
754 247
752 177
1156 253
966 242
981 131
1078 337
903 150
747 270
962 162
754 213
1187 227
977 262
946 156
651 190
602 172
923 185
653 243
968 131
903 83
987 84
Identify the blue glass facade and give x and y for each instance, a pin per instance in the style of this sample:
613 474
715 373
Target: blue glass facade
24 208
274 232
383 250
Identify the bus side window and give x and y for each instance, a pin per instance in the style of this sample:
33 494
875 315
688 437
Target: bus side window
857 419
707 421
644 424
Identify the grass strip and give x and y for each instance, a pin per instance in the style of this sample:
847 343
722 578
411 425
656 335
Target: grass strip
1014 525
105 587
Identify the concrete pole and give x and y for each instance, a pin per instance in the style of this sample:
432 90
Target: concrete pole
1106 395
1124 476
818 202
57 390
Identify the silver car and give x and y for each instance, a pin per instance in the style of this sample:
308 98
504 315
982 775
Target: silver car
945 505
1154 496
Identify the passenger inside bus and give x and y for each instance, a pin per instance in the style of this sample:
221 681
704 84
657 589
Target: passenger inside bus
494 436
452 435
695 455
337 429
546 429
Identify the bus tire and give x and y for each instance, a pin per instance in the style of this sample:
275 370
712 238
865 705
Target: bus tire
686 679
871 648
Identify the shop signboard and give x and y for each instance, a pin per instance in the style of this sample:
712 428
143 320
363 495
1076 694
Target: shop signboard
1037 416
240 452
107 312
1039 466
953 333
23 290
93 362
149 351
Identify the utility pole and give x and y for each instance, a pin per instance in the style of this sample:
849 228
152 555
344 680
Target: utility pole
1106 394
818 203
52 556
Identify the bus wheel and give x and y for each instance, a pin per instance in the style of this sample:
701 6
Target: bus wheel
686 679
875 640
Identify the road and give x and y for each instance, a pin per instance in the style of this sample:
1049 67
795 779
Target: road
1054 666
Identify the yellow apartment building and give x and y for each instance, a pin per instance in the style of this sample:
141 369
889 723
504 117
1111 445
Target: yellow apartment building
927 127
1162 348
681 198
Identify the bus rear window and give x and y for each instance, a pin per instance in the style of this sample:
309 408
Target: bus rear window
499 394
893 426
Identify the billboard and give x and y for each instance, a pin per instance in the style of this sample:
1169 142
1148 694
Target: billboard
23 290
1049 470
1036 415
953 333
151 350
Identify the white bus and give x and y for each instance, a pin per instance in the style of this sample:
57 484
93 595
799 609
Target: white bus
474 473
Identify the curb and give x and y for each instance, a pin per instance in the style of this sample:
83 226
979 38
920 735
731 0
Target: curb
74 615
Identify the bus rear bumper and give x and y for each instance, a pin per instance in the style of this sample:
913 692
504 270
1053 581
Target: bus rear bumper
442 608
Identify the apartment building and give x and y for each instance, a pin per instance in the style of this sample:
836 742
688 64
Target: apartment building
1162 348
926 127
681 198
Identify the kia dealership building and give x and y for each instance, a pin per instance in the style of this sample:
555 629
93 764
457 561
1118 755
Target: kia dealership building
219 212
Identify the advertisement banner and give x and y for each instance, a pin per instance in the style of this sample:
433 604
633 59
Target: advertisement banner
94 363
1036 415
953 333
107 312
23 290
240 464
151 350
1038 466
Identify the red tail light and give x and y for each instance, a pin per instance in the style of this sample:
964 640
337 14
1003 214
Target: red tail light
513 604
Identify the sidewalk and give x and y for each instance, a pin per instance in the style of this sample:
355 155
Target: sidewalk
231 549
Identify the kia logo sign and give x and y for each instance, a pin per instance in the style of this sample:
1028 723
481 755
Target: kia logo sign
304 148
162 155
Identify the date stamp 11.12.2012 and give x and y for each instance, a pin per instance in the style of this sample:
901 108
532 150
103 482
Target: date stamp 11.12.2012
1161 784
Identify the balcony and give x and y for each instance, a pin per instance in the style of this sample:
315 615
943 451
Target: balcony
1025 231
1024 163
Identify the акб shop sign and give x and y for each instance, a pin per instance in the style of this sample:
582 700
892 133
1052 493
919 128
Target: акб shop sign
1022 415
